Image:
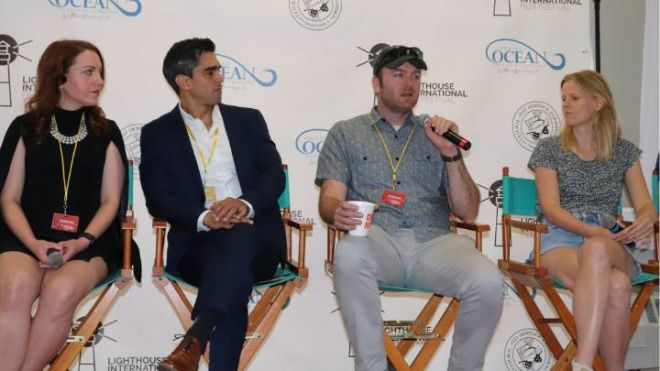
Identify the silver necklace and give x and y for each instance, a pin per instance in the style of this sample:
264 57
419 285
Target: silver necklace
68 139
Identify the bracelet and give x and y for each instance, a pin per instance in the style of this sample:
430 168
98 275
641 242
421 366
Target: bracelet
456 157
88 236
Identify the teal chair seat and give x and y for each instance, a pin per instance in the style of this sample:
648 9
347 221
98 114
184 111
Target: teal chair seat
282 275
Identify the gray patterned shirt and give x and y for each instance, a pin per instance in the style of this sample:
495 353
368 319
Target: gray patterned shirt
354 155
586 186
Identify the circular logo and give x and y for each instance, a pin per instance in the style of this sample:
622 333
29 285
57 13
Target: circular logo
533 121
8 49
315 15
495 193
310 142
131 136
526 351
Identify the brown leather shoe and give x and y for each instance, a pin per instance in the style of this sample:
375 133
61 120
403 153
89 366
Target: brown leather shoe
184 358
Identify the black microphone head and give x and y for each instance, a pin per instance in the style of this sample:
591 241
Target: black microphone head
607 220
55 258
424 117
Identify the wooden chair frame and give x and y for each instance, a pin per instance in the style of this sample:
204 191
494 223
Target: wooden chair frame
535 276
397 347
263 316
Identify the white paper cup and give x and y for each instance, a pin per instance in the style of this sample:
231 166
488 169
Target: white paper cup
367 210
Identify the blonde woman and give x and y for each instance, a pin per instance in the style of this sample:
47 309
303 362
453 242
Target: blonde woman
580 176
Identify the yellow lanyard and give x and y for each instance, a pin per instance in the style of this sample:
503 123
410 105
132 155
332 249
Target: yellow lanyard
203 159
66 179
395 169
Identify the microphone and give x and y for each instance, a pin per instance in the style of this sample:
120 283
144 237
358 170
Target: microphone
458 140
55 258
613 225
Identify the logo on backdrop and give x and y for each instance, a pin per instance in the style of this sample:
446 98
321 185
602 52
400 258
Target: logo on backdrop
9 52
441 92
97 9
299 216
315 15
494 195
239 76
549 4
98 335
534 121
131 136
526 351
502 8
515 56
310 142
125 363
372 53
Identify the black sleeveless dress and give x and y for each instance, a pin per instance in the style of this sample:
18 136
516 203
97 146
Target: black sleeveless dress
43 190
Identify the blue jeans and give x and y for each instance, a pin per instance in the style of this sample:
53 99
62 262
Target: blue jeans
558 237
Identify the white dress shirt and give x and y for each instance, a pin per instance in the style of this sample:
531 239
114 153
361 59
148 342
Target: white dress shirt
220 170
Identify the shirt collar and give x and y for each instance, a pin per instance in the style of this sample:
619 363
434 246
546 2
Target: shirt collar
376 119
188 119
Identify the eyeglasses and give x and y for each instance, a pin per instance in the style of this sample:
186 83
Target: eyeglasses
395 52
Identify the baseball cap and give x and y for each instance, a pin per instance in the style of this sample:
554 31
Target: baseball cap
396 55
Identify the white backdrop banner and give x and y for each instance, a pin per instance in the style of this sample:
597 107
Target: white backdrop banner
494 68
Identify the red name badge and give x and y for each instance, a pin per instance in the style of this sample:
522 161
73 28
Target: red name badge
393 198
64 222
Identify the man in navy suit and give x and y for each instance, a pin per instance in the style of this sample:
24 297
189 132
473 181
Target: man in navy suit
212 171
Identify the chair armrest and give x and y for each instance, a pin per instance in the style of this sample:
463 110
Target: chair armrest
160 226
651 267
471 226
478 230
334 235
128 225
298 225
536 228
532 227
302 228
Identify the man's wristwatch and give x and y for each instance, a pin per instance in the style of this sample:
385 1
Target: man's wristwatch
456 157
88 236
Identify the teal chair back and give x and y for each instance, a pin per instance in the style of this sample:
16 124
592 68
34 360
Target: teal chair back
519 196
285 200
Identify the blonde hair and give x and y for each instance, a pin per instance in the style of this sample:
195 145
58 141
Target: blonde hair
606 123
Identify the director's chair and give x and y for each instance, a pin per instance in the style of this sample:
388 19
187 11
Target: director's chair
401 335
519 200
274 293
109 289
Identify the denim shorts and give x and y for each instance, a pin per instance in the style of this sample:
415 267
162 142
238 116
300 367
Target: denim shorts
557 237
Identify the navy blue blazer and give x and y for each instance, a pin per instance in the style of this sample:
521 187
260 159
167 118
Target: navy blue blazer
173 186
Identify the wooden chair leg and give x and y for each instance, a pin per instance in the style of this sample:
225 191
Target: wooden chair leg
420 323
441 328
275 299
640 303
537 317
181 305
563 362
86 329
396 353
395 358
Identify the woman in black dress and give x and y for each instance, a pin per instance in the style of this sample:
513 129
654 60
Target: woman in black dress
62 169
